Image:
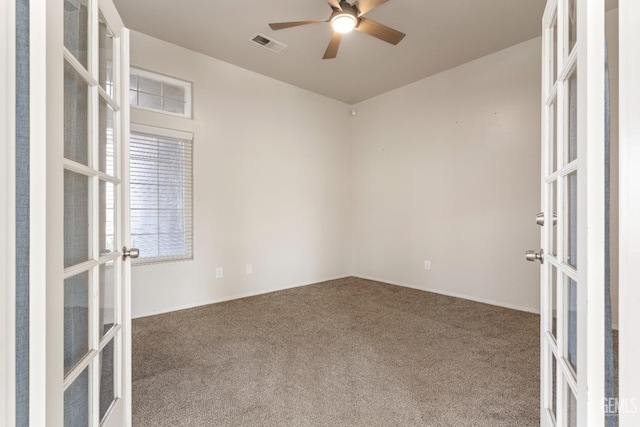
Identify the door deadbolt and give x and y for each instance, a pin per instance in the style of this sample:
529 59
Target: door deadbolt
132 253
533 256
540 219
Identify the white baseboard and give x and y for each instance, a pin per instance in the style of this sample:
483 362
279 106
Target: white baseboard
454 294
236 296
391 282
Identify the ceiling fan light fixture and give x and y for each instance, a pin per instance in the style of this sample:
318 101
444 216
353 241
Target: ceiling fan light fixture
346 16
344 23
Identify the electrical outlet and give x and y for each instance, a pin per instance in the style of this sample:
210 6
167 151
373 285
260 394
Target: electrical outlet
427 264
249 268
219 273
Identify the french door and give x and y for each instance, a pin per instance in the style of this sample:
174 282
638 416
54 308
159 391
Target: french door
87 304
572 272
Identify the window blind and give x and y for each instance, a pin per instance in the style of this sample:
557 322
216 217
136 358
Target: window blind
161 194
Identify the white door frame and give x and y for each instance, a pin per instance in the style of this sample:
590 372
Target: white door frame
629 248
7 213
591 203
37 202
37 342
125 225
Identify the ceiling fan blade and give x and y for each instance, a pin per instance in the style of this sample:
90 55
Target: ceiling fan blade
334 44
380 31
365 6
335 4
283 25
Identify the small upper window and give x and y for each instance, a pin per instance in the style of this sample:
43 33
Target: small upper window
156 92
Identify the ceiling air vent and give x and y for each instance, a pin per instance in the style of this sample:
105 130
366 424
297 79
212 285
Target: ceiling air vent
267 43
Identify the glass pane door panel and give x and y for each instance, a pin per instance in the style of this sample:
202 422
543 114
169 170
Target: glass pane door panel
572 135
553 280
76 319
571 331
76 29
554 53
571 230
553 111
106 134
107 217
76 116
554 228
105 56
572 409
76 402
554 386
76 218
107 297
573 24
107 378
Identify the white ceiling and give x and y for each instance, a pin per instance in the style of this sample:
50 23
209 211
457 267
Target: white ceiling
441 34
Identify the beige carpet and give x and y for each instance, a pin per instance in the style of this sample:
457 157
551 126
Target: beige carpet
348 352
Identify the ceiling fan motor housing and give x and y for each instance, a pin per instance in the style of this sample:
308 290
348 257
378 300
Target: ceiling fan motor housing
346 19
346 9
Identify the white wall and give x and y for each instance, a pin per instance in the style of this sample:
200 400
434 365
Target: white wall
447 169
271 173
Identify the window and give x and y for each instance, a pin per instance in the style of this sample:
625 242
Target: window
161 194
151 91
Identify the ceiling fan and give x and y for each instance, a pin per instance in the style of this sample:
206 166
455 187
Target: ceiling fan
347 17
